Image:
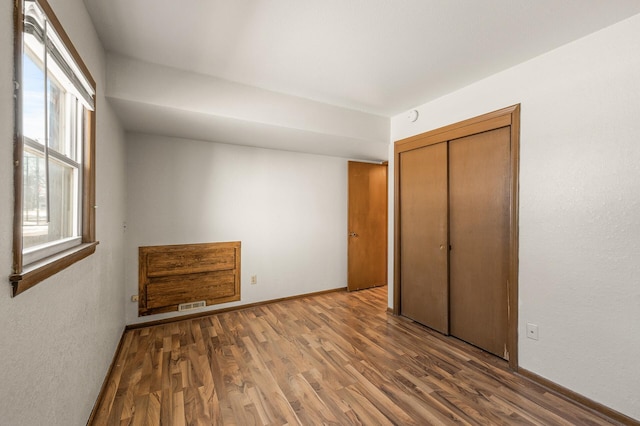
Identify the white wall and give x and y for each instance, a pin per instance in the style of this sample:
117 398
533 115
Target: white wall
579 207
288 209
58 338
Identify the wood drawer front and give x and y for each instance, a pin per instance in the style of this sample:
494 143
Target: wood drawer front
173 290
187 260
171 275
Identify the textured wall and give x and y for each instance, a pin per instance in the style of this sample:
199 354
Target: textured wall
59 337
579 204
288 209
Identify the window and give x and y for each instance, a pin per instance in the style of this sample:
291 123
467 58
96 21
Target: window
54 217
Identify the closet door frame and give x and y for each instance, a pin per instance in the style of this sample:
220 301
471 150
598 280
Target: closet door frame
506 117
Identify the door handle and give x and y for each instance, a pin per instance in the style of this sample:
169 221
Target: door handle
353 234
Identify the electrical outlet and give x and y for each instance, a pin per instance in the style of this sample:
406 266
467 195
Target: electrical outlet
134 298
532 331
254 279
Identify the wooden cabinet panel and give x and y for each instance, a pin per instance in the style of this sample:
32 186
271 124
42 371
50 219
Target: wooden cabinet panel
171 275
212 287
182 260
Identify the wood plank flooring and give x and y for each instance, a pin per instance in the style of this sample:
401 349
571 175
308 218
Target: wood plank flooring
336 358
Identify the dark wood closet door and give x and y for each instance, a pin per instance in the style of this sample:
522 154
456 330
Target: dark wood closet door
423 222
479 188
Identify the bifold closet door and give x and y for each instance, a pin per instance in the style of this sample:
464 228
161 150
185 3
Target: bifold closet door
479 170
423 227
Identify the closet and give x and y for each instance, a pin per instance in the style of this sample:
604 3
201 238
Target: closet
456 230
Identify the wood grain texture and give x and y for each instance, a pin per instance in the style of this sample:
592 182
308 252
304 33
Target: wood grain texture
43 269
514 229
482 123
479 237
510 117
367 226
18 152
170 275
425 242
337 358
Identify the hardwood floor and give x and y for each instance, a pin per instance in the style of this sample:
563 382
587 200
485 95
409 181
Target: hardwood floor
336 358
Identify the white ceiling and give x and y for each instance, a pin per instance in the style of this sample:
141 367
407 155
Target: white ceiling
381 57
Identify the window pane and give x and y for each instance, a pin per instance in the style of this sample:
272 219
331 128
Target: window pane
54 113
56 97
63 217
35 229
62 196
32 99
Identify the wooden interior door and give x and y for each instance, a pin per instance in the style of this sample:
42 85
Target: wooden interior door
479 188
424 243
367 222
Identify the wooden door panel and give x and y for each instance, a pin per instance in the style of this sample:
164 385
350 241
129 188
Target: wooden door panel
479 188
367 222
423 245
183 273
209 286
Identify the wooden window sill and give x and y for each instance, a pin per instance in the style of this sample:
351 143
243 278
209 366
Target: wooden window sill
39 271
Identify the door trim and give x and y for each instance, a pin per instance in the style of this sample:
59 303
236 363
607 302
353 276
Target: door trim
506 117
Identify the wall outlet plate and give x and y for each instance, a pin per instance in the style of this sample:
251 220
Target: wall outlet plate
532 331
